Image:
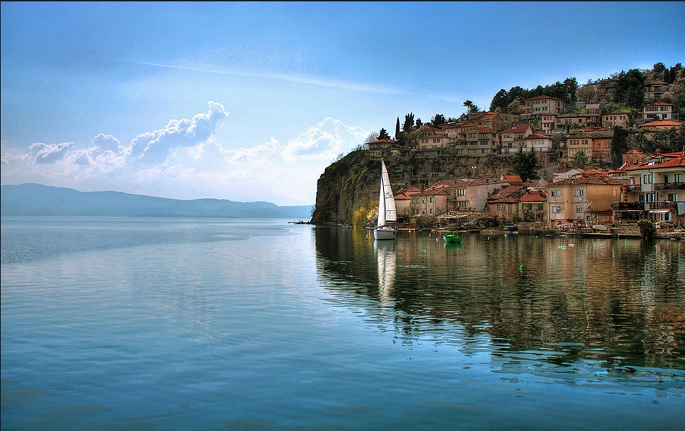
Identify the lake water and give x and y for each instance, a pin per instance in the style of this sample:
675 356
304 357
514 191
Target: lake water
220 324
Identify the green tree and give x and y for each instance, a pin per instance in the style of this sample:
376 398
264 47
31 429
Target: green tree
629 89
647 228
438 119
383 134
580 160
619 146
397 128
470 106
526 165
408 122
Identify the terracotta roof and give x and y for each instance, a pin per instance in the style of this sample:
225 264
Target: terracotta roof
534 196
662 123
507 195
673 160
518 128
538 136
513 179
594 180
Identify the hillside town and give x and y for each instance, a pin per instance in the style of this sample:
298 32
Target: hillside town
647 186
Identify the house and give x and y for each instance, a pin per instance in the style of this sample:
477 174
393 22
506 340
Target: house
570 121
583 199
476 141
542 105
469 195
593 115
429 202
403 202
382 147
616 119
549 124
539 143
514 138
503 204
607 90
657 111
657 184
654 90
533 206
434 141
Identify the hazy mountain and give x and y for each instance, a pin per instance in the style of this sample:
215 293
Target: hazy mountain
40 200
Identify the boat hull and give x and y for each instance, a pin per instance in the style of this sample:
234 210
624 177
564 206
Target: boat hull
384 233
451 238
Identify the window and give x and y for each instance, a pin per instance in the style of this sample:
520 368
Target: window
556 193
677 178
673 197
461 192
556 209
647 178
501 208
580 209
430 199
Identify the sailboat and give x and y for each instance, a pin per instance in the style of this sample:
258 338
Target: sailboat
387 212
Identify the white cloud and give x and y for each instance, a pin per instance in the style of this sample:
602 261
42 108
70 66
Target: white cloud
156 146
185 161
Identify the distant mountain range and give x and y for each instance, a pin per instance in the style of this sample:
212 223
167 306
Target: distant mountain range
40 200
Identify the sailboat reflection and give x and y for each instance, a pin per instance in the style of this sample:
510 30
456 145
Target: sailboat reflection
387 262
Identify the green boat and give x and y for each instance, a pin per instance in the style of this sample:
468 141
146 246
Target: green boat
451 237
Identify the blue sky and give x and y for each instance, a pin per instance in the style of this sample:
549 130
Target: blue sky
251 101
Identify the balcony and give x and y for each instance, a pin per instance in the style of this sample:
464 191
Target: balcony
670 186
628 206
661 205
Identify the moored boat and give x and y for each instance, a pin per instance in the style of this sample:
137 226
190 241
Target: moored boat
451 237
387 212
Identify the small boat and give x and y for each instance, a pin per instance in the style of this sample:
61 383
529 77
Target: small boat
451 237
387 212
511 228
600 227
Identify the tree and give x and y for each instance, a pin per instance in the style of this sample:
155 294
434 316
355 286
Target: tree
629 89
619 146
580 160
383 134
397 128
373 136
526 165
408 122
438 120
587 94
647 228
501 100
471 108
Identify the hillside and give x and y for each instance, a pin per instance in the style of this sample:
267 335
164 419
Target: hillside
352 182
40 200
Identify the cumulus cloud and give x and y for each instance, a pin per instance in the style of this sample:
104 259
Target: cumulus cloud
324 141
49 153
184 160
156 146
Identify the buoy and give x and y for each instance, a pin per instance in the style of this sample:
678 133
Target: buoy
521 268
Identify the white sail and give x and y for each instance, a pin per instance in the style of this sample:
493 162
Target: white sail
387 212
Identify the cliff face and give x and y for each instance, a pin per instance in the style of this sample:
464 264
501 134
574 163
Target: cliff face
348 184
352 182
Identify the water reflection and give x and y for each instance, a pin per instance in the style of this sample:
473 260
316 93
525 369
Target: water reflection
387 261
560 300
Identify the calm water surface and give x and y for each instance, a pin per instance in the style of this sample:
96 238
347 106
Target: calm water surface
215 324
